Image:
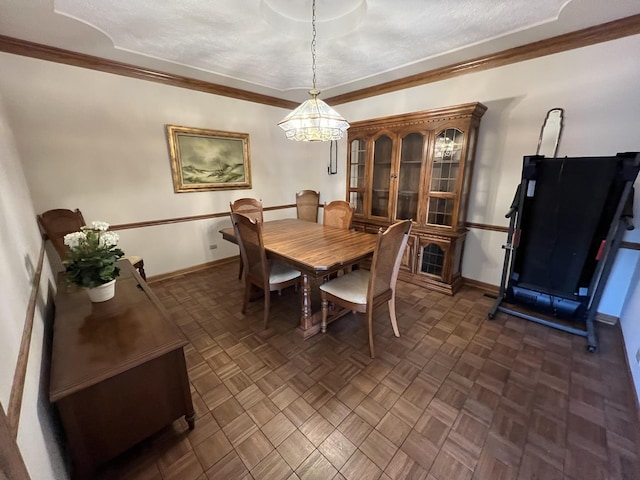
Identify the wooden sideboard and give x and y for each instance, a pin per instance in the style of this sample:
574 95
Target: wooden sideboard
118 371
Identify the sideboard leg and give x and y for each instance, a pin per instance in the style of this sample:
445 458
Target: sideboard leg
191 420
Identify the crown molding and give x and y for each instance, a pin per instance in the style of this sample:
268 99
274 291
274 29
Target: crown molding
58 55
581 38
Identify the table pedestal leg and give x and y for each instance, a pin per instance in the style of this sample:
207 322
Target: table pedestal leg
307 327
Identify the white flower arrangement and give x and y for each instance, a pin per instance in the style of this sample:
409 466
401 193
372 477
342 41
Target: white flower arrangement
92 257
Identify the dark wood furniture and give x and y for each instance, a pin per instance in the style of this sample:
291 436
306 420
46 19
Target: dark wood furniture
316 251
58 222
417 166
118 371
12 465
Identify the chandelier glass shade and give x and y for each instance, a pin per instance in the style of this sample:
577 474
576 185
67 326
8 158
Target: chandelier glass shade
314 120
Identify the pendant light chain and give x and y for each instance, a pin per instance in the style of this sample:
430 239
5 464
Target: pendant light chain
313 42
314 120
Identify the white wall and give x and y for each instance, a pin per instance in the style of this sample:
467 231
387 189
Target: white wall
96 141
631 327
19 255
597 86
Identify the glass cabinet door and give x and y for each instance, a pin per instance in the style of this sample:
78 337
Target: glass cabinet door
432 259
357 161
382 150
444 177
468 168
411 155
419 168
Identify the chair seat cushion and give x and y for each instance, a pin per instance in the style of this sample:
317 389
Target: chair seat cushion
351 287
132 258
280 273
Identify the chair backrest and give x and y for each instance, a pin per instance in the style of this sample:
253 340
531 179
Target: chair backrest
249 207
249 236
387 258
59 222
307 204
337 214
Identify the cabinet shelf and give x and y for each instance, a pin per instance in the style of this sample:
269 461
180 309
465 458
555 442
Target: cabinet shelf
433 258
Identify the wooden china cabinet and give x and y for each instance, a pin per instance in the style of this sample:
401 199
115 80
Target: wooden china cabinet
417 166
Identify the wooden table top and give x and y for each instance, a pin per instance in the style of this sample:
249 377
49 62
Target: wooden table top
96 341
311 247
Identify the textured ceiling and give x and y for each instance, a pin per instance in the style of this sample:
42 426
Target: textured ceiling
264 45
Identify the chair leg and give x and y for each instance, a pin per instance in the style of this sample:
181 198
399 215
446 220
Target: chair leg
240 269
325 314
392 315
140 267
370 328
247 294
267 307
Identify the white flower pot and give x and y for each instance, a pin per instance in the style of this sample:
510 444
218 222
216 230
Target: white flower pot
103 292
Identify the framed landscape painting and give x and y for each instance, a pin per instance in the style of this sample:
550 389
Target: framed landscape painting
204 160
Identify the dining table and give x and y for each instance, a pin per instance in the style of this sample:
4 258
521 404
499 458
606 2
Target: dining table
317 251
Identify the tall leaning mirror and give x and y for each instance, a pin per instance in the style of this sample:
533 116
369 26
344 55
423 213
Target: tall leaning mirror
550 133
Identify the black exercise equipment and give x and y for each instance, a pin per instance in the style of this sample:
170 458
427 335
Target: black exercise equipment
566 223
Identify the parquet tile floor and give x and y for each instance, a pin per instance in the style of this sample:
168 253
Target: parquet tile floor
457 396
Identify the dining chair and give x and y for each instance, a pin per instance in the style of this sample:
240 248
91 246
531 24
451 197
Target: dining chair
307 204
337 213
249 207
362 291
58 222
268 275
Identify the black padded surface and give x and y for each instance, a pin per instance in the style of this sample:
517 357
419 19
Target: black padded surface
565 221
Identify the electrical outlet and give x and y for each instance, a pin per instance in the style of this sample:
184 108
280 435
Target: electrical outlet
638 356
213 246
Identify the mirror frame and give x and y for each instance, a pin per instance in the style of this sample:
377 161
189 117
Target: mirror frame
550 133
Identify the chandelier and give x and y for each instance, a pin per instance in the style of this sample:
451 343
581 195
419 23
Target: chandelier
314 120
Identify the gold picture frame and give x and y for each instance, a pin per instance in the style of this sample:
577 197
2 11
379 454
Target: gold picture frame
204 160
